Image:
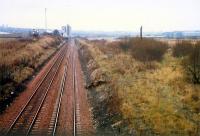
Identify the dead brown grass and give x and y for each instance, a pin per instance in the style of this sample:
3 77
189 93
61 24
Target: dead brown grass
145 101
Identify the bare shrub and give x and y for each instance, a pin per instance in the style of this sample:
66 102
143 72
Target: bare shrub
84 51
124 44
5 73
193 63
182 48
108 48
147 49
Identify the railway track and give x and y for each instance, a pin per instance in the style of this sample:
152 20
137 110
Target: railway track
74 96
59 104
76 107
25 120
81 126
57 109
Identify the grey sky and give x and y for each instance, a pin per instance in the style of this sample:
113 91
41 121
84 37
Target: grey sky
103 15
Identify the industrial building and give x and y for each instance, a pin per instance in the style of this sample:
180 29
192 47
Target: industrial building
66 31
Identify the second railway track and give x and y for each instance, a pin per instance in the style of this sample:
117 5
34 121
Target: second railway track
76 107
25 120
55 118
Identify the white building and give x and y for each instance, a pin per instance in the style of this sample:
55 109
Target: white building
66 31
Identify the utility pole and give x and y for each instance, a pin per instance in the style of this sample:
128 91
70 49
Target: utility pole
141 32
45 19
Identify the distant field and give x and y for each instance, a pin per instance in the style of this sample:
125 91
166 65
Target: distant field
6 39
174 41
10 35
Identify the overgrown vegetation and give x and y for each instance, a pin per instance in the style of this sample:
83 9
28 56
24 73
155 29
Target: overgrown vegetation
147 49
190 54
134 99
19 59
193 63
182 48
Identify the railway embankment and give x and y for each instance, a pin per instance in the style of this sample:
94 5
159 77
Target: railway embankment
96 81
20 60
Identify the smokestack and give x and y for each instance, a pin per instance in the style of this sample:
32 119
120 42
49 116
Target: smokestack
141 32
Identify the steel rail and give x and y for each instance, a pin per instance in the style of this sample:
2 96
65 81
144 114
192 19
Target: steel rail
74 96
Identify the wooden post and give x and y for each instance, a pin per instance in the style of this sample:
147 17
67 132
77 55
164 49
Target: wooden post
141 32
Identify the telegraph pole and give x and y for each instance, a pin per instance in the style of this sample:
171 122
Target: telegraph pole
46 19
141 32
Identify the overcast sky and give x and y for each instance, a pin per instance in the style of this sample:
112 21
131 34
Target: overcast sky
103 15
